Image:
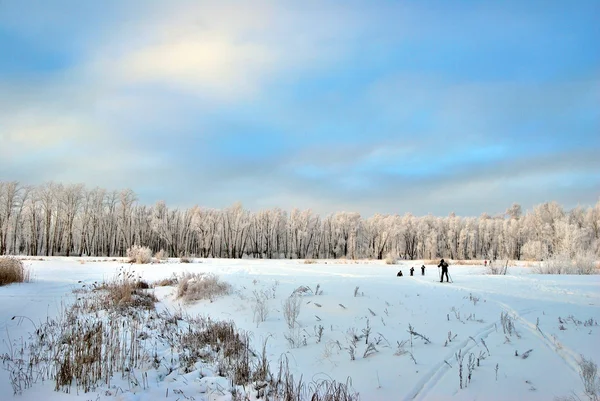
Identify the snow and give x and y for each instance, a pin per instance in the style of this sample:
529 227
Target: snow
468 310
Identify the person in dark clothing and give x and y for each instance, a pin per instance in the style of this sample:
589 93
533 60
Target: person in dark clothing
423 270
412 270
399 274
444 267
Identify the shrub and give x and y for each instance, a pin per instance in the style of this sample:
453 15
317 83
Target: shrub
160 255
185 259
390 260
497 268
166 282
562 263
125 290
291 310
196 286
12 270
260 306
588 371
139 254
585 264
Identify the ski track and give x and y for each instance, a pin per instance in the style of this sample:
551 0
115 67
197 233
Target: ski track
429 381
569 357
544 291
421 390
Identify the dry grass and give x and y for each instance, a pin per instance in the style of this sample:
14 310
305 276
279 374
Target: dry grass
474 262
126 290
197 286
139 254
185 259
167 282
83 350
530 263
12 270
390 260
464 262
160 255
309 261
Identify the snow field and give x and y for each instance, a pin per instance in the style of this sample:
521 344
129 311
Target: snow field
554 316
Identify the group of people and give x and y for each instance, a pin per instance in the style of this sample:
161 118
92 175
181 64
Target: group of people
443 264
412 271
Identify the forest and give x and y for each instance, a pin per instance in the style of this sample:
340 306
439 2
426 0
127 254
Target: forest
53 219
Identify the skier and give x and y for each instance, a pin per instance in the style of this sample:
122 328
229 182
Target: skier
399 274
423 270
444 267
485 263
412 270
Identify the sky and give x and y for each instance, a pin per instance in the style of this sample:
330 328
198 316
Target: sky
363 106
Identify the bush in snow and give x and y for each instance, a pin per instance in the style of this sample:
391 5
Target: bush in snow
585 264
126 290
196 286
588 370
390 260
291 310
563 264
139 254
497 268
12 270
260 306
160 255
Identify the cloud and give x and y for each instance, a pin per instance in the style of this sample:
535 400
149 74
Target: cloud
387 108
214 67
225 51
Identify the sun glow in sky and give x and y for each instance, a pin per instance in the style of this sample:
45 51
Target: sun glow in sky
379 106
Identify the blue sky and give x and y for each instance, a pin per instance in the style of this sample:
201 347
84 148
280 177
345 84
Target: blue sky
376 107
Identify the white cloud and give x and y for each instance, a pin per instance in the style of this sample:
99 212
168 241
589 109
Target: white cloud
40 131
223 51
214 67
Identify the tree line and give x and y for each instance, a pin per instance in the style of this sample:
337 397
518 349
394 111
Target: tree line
54 219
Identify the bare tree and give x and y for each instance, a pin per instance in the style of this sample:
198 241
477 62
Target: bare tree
71 200
8 200
55 219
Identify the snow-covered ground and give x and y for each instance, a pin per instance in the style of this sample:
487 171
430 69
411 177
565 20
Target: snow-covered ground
467 311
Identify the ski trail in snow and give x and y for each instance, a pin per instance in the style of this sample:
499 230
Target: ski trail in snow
435 374
424 386
569 356
428 382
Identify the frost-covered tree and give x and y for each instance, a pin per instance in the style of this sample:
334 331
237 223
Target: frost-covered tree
55 219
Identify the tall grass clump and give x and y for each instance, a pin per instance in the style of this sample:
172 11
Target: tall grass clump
125 290
96 345
161 255
139 254
12 270
197 286
588 371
